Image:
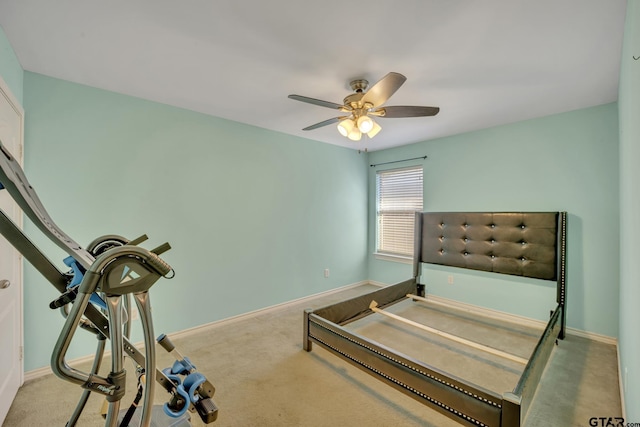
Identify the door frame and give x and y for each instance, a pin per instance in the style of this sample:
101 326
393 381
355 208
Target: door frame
5 91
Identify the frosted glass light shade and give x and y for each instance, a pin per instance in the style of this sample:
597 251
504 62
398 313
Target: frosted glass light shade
345 127
365 124
355 134
374 130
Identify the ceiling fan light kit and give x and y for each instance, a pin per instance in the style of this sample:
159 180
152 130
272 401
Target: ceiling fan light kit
355 134
353 129
374 130
345 126
365 124
362 105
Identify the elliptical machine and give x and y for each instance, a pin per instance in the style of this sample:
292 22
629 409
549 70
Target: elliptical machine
96 296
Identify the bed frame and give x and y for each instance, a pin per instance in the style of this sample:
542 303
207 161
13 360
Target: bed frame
529 244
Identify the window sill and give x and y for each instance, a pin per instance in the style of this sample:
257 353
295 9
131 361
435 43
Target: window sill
394 258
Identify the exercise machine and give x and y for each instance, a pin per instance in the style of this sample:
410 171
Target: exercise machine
95 296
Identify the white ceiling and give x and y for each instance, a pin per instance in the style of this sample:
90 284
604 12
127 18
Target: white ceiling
484 63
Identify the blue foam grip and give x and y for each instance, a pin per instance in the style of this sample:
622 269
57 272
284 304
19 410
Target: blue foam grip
181 391
191 383
78 272
78 275
96 300
182 367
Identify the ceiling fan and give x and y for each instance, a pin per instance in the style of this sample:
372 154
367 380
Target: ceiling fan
363 103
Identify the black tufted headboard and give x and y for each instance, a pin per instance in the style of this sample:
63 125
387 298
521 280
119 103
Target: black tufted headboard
516 243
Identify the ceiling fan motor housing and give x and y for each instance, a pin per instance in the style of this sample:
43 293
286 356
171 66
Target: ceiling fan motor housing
354 100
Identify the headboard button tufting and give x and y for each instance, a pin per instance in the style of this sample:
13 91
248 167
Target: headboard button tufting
522 244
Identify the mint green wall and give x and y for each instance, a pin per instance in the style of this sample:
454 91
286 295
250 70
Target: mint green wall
629 111
562 162
10 68
253 216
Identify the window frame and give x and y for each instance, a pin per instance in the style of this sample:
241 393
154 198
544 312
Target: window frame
379 253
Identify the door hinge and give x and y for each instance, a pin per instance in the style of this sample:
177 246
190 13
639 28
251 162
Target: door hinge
21 352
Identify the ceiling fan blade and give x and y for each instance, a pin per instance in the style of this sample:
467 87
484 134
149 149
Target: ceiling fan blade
380 92
316 102
325 123
407 111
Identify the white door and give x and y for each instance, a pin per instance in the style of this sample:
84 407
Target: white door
11 364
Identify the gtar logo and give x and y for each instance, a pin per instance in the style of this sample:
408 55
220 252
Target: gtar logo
128 275
607 422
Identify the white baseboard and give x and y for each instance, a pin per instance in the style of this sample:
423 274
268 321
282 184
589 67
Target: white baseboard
620 383
46 370
37 373
593 336
250 314
520 320
378 284
487 312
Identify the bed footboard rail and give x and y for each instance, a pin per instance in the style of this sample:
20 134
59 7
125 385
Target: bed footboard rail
355 308
455 398
516 403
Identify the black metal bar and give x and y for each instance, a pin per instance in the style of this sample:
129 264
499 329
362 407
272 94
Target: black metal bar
306 342
398 161
417 247
561 248
30 251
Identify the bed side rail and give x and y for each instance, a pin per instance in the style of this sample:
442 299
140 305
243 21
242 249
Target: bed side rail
516 403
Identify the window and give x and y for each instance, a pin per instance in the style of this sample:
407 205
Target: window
398 197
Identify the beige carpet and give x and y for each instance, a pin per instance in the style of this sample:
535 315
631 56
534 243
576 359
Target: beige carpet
264 378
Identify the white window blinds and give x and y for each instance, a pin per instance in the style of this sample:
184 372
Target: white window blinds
399 196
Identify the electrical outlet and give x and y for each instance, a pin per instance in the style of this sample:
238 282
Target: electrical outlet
326 273
450 279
